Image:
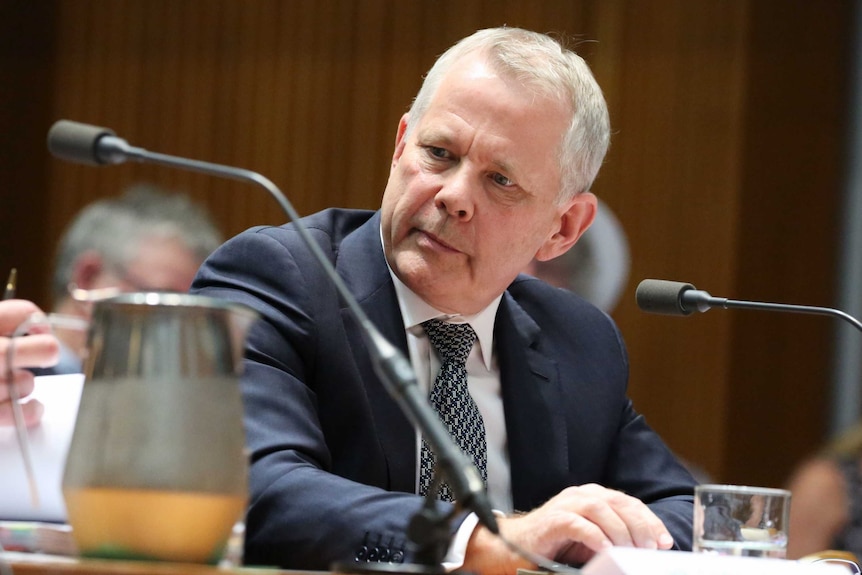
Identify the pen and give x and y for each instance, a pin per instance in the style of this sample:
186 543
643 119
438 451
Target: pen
9 292
15 400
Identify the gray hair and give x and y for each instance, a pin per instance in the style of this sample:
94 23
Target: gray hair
545 65
115 228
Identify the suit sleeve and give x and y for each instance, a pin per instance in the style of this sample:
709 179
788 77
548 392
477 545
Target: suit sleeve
608 441
643 465
301 514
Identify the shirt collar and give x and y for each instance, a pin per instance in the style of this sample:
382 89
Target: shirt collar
415 310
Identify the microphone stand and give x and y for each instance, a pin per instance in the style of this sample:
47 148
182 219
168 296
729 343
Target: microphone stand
681 298
82 143
429 528
702 301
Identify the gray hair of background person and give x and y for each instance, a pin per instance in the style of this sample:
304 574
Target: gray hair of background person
597 266
115 227
545 65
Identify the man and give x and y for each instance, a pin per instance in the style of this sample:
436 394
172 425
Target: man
492 167
145 240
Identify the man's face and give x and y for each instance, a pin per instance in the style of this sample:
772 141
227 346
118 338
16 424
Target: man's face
471 197
160 264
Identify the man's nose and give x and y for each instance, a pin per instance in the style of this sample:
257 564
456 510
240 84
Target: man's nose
457 195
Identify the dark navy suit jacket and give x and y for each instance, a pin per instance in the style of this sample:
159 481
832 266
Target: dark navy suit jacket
332 455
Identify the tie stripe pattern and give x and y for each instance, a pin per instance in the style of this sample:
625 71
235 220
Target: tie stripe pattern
453 402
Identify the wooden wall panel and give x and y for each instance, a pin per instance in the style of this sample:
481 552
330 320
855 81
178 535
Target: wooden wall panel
308 93
673 178
788 232
706 170
26 84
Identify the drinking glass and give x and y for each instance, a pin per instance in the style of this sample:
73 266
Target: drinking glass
741 520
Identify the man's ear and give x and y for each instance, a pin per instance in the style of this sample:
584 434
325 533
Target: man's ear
573 222
399 139
87 269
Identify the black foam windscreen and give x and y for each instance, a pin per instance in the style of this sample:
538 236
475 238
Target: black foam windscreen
662 296
76 142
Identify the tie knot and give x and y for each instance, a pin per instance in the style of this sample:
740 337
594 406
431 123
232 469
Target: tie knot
453 341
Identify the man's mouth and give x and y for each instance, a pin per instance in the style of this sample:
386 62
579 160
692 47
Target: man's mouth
436 242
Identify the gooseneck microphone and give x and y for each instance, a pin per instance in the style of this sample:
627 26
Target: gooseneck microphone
679 298
93 145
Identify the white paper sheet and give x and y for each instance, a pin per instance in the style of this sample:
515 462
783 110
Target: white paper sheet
631 561
49 444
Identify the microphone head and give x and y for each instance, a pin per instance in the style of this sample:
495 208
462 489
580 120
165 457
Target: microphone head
663 296
76 142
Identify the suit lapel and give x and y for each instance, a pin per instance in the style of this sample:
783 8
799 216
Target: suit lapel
361 264
529 380
530 386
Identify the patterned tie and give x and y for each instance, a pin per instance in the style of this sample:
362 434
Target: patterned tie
453 401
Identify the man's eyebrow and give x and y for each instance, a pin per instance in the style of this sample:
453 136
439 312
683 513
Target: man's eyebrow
435 135
505 167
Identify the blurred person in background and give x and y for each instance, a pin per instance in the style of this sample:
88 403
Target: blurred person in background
148 239
596 267
826 509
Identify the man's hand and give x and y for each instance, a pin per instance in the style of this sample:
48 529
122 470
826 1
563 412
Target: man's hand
570 528
39 349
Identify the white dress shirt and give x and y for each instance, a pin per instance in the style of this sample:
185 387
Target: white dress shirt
483 381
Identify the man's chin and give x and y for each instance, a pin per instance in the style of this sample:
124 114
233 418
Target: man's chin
413 265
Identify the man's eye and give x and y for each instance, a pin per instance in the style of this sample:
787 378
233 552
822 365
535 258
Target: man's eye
441 153
502 180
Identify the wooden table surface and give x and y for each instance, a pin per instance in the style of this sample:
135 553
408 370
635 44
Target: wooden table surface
38 564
